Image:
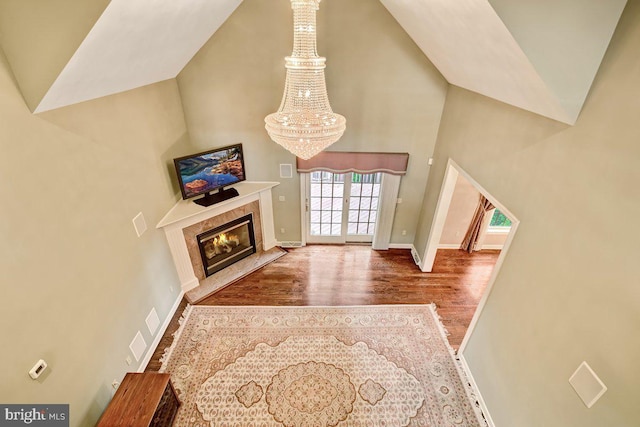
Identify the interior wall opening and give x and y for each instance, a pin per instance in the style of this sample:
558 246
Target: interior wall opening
470 220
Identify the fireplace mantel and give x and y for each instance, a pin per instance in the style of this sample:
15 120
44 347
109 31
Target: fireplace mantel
186 213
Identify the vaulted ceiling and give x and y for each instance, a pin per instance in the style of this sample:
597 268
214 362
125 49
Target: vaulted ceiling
538 55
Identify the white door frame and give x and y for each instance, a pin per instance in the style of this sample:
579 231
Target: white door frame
387 199
437 226
305 196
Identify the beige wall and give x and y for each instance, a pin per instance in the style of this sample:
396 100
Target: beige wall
568 290
77 283
464 202
377 78
463 205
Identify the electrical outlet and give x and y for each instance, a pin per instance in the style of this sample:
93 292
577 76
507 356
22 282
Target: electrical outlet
281 198
282 230
404 232
128 360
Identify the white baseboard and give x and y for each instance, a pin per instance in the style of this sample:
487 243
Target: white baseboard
290 244
400 246
449 246
453 246
499 247
159 333
483 405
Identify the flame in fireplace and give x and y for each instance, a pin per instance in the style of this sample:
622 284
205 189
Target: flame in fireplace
224 240
221 244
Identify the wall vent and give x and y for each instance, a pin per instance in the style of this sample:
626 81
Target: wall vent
416 257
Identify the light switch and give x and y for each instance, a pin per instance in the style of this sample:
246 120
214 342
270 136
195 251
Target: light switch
281 198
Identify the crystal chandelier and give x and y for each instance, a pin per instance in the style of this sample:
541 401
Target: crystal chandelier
305 124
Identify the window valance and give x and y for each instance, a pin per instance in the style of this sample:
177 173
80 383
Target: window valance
346 161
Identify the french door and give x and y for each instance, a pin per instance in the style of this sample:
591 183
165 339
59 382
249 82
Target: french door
341 207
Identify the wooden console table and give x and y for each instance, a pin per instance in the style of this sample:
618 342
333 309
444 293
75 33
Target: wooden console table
142 400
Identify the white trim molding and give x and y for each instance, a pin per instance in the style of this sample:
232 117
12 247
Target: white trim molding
493 247
387 203
160 333
401 246
452 246
449 246
483 405
439 217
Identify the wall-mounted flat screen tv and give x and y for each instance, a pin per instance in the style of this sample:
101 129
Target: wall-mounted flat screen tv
206 172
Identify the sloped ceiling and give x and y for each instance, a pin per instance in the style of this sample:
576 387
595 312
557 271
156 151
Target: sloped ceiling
136 43
538 55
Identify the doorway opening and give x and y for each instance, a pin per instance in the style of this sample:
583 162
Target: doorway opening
499 224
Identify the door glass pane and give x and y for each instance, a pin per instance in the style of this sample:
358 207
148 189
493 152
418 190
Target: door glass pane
337 204
327 190
315 204
363 205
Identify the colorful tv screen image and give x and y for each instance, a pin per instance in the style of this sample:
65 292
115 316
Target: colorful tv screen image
208 171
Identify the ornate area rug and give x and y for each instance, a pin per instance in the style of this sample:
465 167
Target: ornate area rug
315 367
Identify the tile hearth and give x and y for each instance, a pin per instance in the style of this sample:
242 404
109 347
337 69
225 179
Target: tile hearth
233 273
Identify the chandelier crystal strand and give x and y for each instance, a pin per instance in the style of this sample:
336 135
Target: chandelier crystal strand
305 124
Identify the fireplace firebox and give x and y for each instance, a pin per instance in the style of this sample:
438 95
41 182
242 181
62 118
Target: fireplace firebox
227 244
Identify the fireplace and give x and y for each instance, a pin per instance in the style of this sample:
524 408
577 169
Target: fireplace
224 245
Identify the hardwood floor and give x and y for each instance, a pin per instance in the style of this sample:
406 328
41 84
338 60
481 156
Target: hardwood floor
321 275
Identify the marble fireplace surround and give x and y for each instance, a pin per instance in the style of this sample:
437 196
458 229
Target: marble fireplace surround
186 219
